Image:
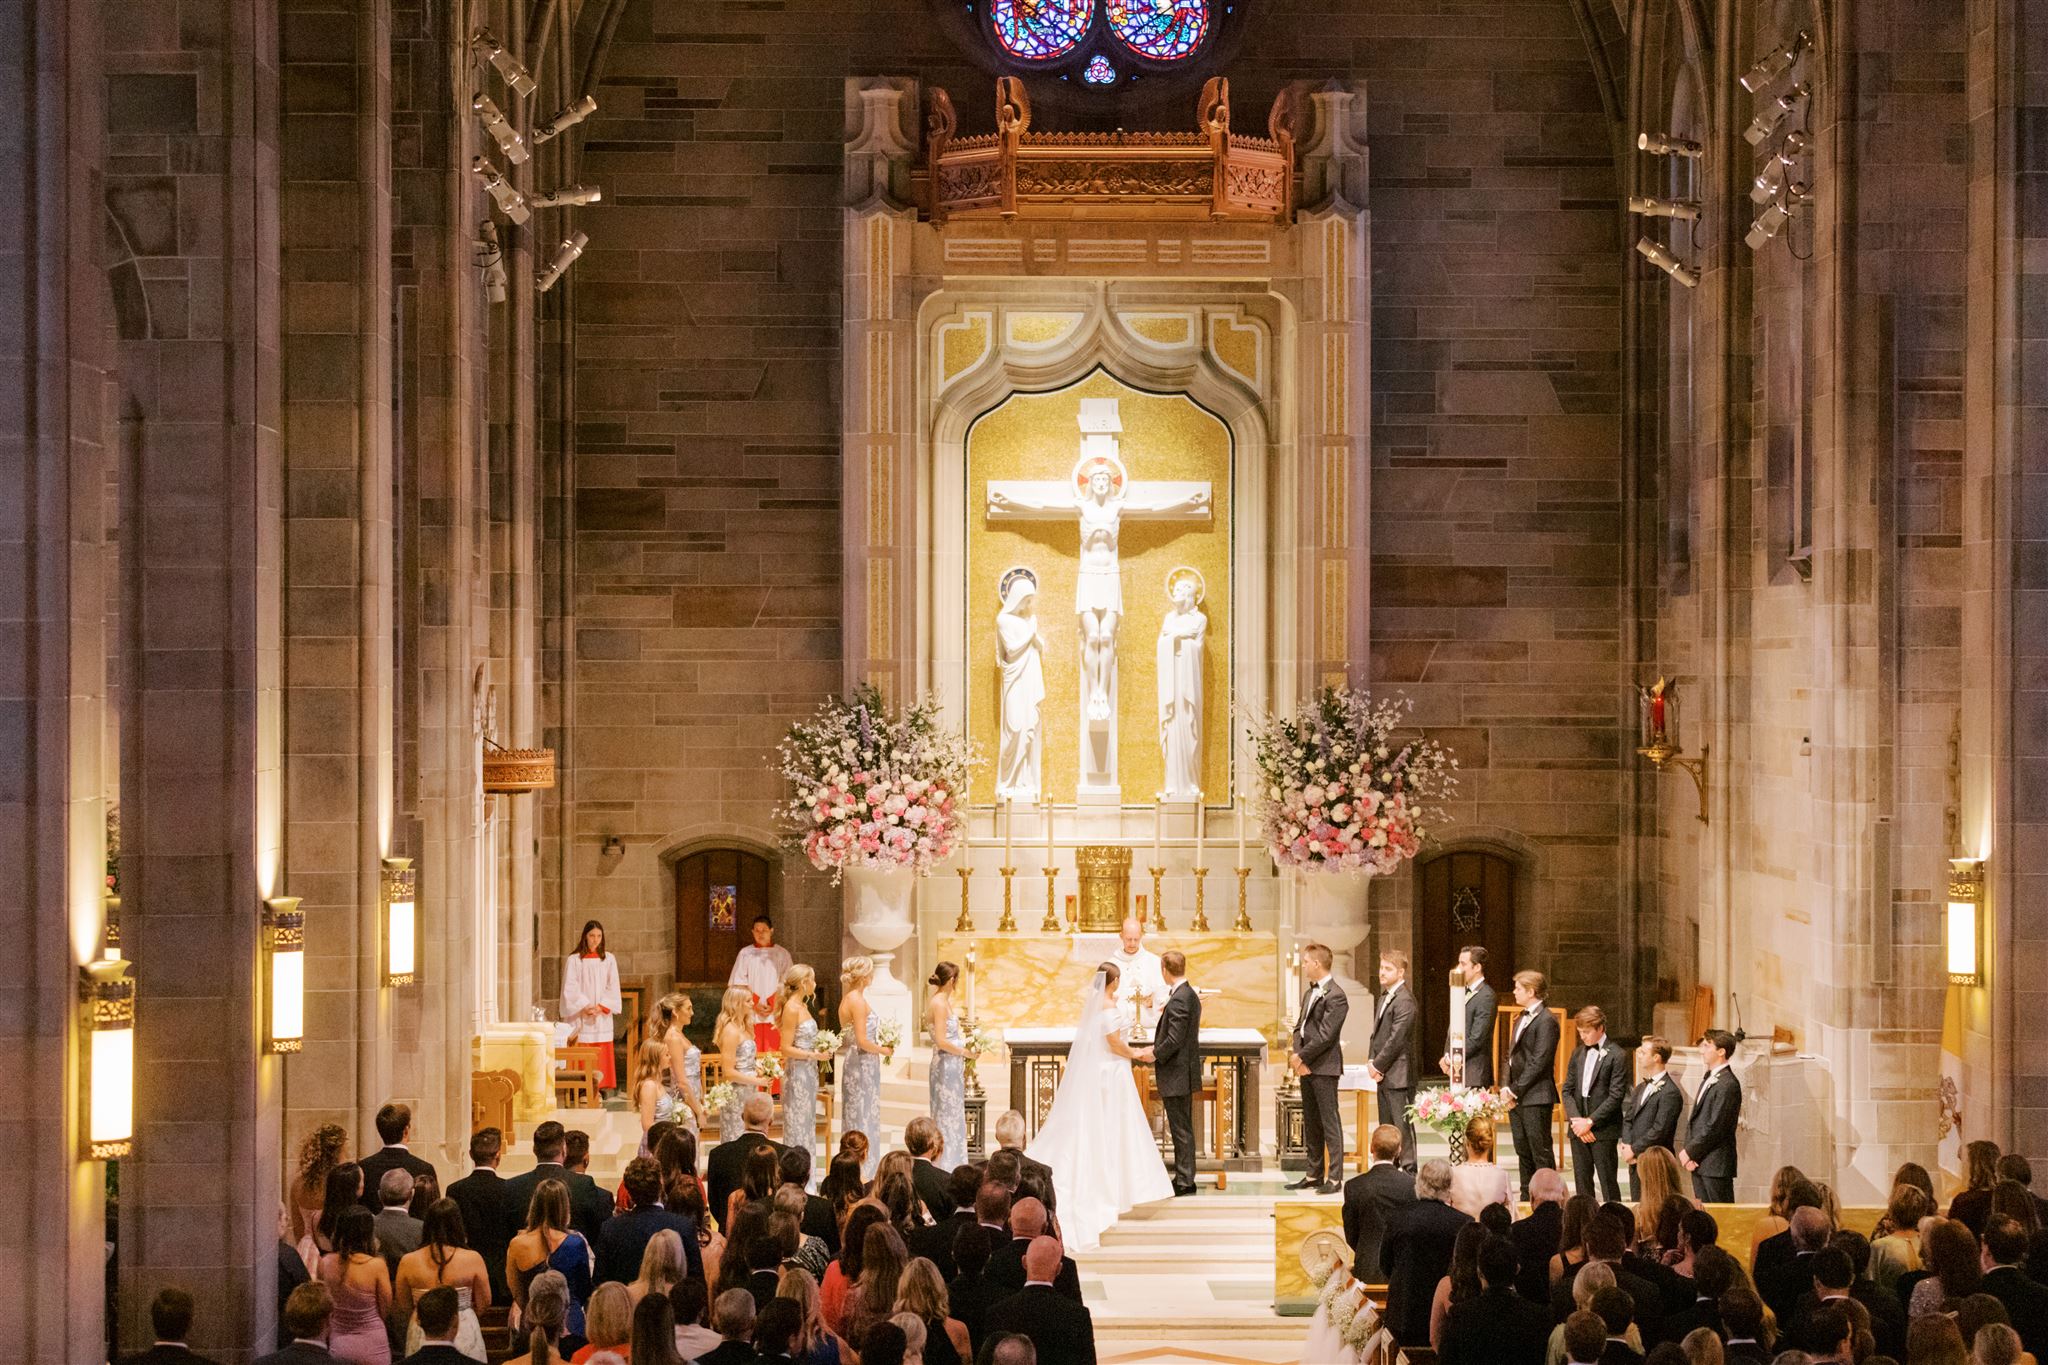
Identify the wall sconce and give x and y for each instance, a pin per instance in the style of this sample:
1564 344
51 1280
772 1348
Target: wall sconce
401 922
107 993
1965 921
1658 740
284 935
611 855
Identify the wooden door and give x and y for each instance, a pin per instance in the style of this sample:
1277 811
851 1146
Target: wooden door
718 893
1466 896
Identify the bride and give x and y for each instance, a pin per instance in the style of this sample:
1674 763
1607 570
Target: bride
1096 1139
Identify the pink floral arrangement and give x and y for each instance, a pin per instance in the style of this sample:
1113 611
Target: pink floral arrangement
1340 791
874 788
1451 1112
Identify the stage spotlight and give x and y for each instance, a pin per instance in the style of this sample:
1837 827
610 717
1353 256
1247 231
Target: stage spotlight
565 256
486 45
565 196
509 201
1766 186
1666 262
1669 144
1688 209
1775 63
564 119
490 258
1768 223
499 127
1773 115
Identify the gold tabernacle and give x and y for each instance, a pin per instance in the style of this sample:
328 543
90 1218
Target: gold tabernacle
1105 871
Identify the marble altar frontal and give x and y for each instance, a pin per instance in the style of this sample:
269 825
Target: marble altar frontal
1036 981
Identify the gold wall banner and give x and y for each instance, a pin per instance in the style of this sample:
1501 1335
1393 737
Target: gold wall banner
1165 437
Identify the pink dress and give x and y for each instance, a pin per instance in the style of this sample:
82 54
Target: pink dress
356 1332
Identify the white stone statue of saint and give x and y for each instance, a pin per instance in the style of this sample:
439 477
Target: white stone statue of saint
1100 493
1183 634
1019 660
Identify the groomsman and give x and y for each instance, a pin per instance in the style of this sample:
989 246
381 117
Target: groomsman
1650 1116
1596 1086
1532 1078
1393 1045
1177 1064
1480 1004
1319 1061
1709 1151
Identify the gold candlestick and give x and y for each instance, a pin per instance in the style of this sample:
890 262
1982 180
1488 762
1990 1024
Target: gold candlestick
1158 901
1008 923
1052 921
965 924
1201 924
1243 922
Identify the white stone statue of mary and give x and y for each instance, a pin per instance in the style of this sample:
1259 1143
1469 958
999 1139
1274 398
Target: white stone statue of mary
1183 633
1019 660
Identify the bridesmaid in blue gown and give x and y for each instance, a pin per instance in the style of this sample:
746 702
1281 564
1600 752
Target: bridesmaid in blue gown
949 1067
860 1083
799 1059
735 1038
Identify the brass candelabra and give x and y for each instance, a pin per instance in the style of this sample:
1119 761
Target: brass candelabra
964 924
1243 923
1052 920
1201 924
1158 901
1008 923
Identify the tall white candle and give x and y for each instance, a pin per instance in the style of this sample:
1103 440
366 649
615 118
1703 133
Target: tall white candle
1201 822
1048 831
1009 827
1240 833
1158 825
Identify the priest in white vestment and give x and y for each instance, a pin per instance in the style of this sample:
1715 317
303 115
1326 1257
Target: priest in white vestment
760 967
1141 988
590 1000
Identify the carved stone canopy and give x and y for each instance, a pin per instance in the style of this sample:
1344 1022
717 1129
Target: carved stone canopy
1211 173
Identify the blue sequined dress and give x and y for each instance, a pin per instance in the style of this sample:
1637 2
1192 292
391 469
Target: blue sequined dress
730 1124
860 1090
949 1097
800 1091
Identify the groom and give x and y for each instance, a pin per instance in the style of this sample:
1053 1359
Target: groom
1177 1064
1319 1061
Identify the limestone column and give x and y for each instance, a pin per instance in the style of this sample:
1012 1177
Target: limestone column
192 189
53 461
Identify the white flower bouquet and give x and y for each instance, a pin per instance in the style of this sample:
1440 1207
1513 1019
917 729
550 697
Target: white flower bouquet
720 1096
979 1040
888 1033
873 787
768 1065
826 1042
1339 791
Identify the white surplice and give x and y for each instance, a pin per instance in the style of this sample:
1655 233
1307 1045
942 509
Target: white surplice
588 981
761 971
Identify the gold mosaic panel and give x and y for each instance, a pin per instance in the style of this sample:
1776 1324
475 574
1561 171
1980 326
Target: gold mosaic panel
1040 329
1237 348
1037 436
1162 329
962 344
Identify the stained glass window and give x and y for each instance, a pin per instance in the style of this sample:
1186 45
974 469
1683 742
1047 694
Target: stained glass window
1164 30
1039 29
1098 71
724 901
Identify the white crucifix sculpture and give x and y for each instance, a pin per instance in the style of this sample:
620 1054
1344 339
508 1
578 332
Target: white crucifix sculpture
1101 494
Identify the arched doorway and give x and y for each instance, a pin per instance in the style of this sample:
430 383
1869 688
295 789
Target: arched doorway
718 893
1464 896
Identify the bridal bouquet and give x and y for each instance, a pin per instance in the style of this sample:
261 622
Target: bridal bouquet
768 1065
1450 1112
888 1033
872 787
720 1097
1339 791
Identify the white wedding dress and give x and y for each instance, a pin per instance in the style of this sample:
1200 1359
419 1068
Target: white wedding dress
1096 1140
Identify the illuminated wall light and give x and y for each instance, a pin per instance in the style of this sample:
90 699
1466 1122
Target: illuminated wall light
284 926
108 994
401 922
1965 921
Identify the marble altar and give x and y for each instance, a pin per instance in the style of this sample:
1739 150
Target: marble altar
1025 980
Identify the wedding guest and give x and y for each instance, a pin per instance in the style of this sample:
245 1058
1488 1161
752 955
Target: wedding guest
654 1333
1777 1215
844 1271
1954 1268
814 1343
1895 1250
1700 1347
436 1323
1998 1344
725 1170
589 1206
170 1322
800 1057
1460 1282
1585 1338
1972 1204
1649 1117
914 1337
1010 1348
1710 1134
1615 1309
1715 1272
1479 1181
1887 1314
2026 1302
1596 1086
1010 1137
1579 1212
2010 1199
305 1321
481 1197
922 1294
1747 1333
548 1243
1595 1277
662 1267
394 1127
775 1332
543 1319
739 1261
694 1337
324 1149
344 1192
842 1188
886 1344
935 1243
759 969
398 1232
683 1194
1480 1005
444 1261
1606 1244
292 1270
607 1322
969 1292
775 1248
925 1141
1497 1326
948 1071
733 1035
1392 1063
1372 1197
860 1084
360 1283
873 1296
807 1253
622 1243
1532 1077
733 1316
2013 1166
1317 1045
1061 1328
1538 1237
1417 1252
590 999
1006 1270
795 1167
1657 1179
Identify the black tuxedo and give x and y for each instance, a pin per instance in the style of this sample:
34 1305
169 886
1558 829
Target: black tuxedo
935 1243
1701 1312
1500 1327
729 1353
969 1298
1039 1171
622 1242
819 1222
1648 1313
2026 1303
1317 1044
726 1168
481 1197
1536 1240
1532 1075
1005 1271
167 1355
1602 1103
1393 1056
1649 1118
1177 1069
437 1354
1480 1006
934 1186
298 1353
1710 1136
1061 1329
1782 1283
1620 1353
589 1206
1744 1353
1370 1201
389 1159
1416 1253
291 1273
